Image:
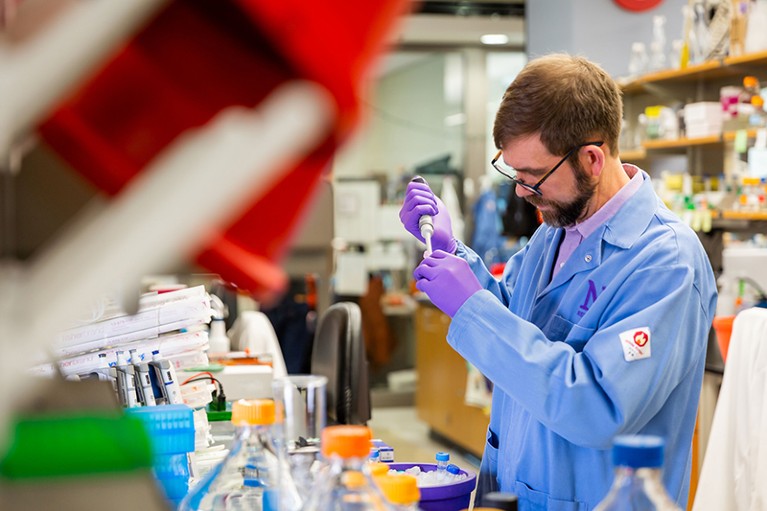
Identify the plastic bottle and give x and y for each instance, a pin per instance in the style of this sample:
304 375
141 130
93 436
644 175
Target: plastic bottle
756 37
344 483
252 476
638 461
217 337
758 117
443 459
401 491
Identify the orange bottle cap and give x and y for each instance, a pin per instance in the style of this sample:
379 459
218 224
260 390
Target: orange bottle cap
346 441
353 479
378 469
399 488
253 412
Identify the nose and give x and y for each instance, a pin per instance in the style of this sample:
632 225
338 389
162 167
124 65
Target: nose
522 192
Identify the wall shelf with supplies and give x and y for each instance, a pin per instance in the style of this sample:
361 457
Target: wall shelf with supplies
681 143
710 70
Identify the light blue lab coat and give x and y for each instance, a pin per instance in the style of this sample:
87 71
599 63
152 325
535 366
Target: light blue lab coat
554 351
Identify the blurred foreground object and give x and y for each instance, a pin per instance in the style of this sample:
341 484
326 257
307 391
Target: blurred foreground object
209 130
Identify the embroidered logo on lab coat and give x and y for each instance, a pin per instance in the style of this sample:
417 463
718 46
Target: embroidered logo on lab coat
636 344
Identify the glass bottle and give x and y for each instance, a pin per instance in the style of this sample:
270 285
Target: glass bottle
250 477
344 483
658 44
639 60
637 486
401 491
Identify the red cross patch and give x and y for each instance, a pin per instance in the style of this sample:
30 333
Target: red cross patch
636 343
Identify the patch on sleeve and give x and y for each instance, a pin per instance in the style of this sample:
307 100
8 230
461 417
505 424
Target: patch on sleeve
636 343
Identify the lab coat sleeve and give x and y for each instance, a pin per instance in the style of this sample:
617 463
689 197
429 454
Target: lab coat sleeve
484 276
588 397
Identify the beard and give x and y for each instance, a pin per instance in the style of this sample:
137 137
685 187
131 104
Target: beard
565 214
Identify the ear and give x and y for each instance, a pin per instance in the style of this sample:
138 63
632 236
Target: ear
594 160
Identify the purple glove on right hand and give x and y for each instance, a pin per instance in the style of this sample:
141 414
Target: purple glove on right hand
420 200
447 279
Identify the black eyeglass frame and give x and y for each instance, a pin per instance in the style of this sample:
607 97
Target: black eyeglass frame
536 187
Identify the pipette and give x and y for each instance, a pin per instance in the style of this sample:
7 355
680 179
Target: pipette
425 223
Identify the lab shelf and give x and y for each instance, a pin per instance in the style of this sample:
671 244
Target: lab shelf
681 143
684 143
747 222
629 155
710 70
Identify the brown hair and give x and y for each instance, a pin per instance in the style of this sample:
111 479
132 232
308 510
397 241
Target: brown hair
567 99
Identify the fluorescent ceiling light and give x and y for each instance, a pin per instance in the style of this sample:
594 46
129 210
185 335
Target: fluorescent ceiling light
494 39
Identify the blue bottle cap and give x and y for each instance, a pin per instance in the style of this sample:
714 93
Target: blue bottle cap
637 451
442 456
453 469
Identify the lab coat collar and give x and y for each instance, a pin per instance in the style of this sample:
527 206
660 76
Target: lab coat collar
631 220
621 230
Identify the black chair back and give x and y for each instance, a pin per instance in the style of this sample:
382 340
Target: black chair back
338 354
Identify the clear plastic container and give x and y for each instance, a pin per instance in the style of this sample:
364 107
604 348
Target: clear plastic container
637 486
252 477
345 483
443 459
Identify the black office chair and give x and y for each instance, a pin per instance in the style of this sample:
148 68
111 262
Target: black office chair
338 353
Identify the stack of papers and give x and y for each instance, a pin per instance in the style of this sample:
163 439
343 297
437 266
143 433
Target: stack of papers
173 323
158 314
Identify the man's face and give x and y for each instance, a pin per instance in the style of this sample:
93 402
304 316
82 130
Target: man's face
565 194
563 213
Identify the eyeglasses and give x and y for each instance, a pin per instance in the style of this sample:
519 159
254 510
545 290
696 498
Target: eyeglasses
511 173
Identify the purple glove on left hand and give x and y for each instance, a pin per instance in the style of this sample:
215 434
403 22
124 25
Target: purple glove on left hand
447 280
420 200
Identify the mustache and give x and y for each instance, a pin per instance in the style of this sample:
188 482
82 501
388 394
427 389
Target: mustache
537 201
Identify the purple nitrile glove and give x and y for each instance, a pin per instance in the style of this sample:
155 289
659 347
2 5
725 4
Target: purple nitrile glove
447 280
420 200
